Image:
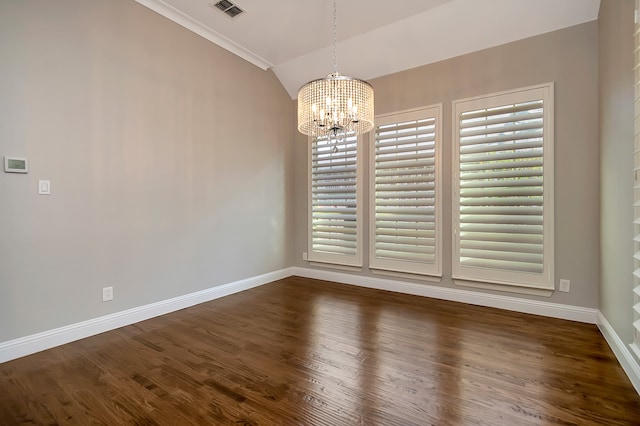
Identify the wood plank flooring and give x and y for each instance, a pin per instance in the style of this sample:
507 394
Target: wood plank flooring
308 352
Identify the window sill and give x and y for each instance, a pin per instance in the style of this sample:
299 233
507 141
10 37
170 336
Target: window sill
635 349
408 275
339 267
534 291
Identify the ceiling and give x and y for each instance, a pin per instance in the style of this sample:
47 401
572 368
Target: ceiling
374 37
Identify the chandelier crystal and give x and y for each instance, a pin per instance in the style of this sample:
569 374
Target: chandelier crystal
335 105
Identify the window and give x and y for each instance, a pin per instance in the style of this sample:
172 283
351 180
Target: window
405 233
335 218
503 188
636 192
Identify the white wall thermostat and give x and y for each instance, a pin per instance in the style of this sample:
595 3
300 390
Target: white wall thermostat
16 165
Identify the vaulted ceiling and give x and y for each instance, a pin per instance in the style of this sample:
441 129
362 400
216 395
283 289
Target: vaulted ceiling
374 37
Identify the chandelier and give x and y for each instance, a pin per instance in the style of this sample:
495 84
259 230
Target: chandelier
336 105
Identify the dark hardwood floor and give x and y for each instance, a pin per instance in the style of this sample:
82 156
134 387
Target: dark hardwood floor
308 352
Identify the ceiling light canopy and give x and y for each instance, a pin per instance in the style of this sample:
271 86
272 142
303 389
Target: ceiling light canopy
337 104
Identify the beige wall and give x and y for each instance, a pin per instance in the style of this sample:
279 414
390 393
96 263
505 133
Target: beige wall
615 25
161 189
168 159
567 57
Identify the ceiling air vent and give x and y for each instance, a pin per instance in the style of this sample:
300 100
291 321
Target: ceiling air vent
229 8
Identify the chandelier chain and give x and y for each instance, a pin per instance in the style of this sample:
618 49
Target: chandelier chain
335 30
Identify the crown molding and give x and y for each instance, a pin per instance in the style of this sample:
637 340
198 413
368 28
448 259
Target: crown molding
180 18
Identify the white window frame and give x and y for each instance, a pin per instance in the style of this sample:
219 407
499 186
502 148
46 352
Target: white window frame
336 260
407 265
526 282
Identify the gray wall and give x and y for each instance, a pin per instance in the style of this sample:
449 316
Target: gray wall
168 159
160 188
615 80
567 57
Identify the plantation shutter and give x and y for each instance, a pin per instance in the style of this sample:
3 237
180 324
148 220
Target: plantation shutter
404 207
636 191
503 189
334 212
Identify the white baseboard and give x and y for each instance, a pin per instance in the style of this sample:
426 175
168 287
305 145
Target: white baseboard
41 341
48 339
547 309
38 342
621 351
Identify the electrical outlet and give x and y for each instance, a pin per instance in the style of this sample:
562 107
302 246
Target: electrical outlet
107 294
565 285
304 255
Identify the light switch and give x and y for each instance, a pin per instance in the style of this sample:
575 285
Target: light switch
44 187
